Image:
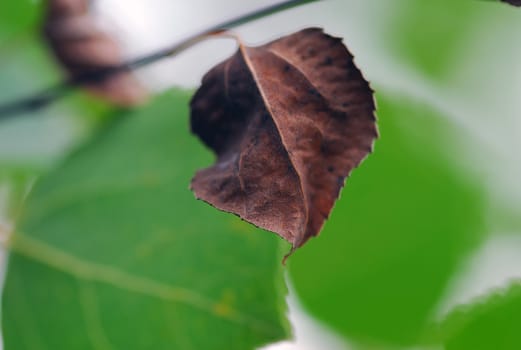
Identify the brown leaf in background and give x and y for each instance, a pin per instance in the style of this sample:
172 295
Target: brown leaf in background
288 121
81 47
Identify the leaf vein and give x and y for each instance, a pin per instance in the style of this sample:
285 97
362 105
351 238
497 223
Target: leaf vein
90 271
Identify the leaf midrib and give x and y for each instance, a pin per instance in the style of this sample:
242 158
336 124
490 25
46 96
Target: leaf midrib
243 49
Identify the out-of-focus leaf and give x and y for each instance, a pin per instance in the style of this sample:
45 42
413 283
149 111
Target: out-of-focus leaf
491 323
17 16
113 251
399 231
430 34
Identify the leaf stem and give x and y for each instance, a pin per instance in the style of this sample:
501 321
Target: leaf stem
52 94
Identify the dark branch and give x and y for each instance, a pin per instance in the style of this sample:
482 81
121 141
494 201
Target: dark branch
52 94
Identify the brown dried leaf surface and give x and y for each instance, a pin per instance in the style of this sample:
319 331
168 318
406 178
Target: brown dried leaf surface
82 47
288 121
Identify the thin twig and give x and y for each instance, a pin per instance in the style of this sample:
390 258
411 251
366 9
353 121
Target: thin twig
50 95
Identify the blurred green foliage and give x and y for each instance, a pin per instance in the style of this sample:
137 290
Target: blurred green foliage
405 221
16 17
430 34
26 67
490 323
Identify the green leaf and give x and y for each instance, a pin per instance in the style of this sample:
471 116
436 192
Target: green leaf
404 222
114 252
490 323
17 16
430 34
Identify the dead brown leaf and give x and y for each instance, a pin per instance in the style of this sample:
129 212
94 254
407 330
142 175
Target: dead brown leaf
288 122
81 47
